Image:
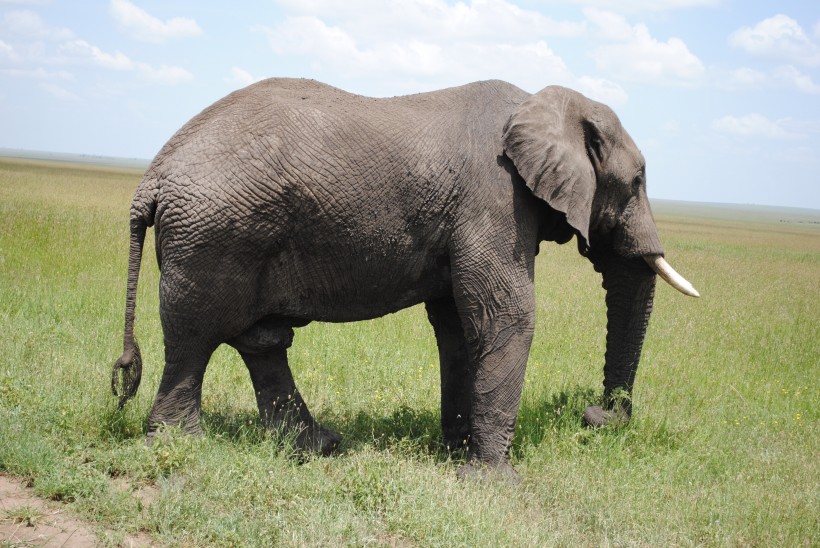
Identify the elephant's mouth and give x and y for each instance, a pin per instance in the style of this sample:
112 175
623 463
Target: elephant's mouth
669 275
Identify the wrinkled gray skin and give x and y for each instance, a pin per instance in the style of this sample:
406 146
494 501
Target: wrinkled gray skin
290 201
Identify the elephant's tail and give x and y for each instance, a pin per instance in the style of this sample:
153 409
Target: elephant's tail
127 371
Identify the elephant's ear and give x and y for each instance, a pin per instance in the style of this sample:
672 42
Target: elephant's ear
547 140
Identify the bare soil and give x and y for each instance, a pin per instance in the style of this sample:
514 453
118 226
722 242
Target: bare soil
28 520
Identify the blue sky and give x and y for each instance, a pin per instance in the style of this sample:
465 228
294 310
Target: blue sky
722 96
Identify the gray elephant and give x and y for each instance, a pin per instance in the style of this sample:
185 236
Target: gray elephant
291 201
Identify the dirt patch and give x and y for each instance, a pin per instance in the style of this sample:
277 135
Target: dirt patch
145 494
27 520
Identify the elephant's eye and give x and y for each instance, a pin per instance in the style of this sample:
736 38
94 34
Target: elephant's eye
638 181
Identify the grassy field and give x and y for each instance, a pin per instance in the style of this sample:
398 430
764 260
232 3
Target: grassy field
723 448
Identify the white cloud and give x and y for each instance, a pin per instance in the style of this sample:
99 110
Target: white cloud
141 25
58 92
635 55
435 20
784 77
417 45
34 50
38 73
310 36
29 25
611 26
7 52
602 90
164 74
743 78
240 78
531 66
795 79
82 50
780 38
438 60
633 6
753 125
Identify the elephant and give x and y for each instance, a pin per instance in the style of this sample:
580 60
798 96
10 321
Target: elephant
291 201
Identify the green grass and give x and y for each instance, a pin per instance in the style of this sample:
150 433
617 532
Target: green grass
723 448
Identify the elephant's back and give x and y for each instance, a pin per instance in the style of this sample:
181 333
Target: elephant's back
294 108
275 121
277 113
285 156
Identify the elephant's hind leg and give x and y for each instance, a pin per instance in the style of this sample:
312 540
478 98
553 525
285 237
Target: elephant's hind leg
456 384
179 398
264 349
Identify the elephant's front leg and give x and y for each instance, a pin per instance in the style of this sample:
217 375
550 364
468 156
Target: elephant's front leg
456 381
498 321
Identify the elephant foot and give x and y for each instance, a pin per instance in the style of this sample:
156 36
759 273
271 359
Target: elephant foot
317 439
487 473
596 417
165 432
307 435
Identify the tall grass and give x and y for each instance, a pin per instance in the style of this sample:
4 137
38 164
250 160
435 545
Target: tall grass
722 449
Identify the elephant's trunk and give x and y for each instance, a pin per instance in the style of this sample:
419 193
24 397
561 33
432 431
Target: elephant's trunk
630 290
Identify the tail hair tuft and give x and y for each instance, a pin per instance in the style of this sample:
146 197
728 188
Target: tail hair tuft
126 375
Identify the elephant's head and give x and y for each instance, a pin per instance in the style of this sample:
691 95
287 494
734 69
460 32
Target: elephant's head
574 154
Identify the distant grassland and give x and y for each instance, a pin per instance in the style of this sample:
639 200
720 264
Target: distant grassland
723 448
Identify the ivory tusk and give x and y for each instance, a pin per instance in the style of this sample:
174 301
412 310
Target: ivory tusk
665 271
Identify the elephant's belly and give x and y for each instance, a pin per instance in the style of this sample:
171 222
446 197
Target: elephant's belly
352 291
